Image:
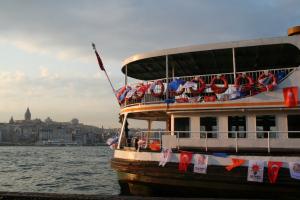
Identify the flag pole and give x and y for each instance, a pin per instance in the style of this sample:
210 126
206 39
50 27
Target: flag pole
103 69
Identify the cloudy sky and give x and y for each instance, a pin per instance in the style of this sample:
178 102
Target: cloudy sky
46 60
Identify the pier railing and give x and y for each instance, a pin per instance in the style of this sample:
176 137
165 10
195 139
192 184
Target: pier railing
132 96
210 140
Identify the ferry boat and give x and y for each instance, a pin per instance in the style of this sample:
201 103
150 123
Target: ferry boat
230 108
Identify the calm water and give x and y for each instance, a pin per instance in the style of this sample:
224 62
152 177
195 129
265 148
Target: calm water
84 170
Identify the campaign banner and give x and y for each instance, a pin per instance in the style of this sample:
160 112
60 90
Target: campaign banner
200 163
256 171
295 170
166 155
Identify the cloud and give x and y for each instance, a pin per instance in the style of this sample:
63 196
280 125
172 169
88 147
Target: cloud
52 33
44 72
122 28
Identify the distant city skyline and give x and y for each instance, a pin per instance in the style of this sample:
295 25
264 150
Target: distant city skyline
47 62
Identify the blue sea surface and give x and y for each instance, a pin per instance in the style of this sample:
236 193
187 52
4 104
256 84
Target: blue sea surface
82 170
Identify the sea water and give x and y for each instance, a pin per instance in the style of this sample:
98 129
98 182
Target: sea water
82 170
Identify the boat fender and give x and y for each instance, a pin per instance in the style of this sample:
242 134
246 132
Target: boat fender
216 89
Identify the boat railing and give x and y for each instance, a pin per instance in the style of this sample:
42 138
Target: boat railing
218 139
130 99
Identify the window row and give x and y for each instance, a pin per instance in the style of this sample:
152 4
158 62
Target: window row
265 126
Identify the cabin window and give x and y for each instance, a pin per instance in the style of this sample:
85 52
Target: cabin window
293 126
209 127
182 125
236 126
265 124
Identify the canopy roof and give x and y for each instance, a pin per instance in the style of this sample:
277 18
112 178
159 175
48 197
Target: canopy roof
217 58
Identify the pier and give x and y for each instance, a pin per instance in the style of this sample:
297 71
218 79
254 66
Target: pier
56 196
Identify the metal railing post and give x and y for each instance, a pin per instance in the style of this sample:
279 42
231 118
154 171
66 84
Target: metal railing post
268 141
205 141
236 142
177 139
122 131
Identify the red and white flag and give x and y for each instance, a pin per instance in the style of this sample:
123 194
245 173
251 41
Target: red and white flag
295 170
290 95
184 160
200 163
256 170
273 170
235 163
98 58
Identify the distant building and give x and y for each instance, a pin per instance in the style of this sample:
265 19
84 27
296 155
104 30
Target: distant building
36 132
27 115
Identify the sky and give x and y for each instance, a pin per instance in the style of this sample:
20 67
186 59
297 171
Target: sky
48 65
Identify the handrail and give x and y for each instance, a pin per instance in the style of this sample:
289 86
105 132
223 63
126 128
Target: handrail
151 136
148 99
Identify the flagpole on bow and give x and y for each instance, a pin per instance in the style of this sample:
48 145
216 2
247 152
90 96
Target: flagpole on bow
103 69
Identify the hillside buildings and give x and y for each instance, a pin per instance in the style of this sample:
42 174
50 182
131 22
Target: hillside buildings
48 132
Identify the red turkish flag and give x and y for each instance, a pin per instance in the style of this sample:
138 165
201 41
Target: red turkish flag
273 170
185 159
235 163
290 95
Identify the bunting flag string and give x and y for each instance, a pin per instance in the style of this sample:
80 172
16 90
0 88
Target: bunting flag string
255 167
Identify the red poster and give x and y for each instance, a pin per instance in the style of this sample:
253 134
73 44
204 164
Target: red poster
273 170
185 159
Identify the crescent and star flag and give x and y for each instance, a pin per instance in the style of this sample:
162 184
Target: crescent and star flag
295 170
290 95
256 171
200 164
273 170
185 159
98 58
235 163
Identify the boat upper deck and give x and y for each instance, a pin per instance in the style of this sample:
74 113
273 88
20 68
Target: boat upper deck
218 58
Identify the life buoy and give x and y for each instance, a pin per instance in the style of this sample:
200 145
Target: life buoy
245 87
216 89
162 89
201 88
140 92
268 82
